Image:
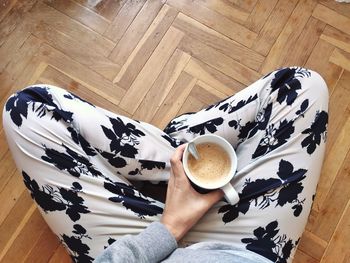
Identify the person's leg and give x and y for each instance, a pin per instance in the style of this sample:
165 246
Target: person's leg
76 160
278 128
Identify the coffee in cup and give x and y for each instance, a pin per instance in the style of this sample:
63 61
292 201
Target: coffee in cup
213 165
216 166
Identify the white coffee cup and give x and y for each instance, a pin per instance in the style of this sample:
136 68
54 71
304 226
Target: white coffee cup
231 194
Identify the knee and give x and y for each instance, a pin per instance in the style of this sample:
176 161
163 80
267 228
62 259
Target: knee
317 87
17 105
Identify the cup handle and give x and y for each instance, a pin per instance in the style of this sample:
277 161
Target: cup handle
231 194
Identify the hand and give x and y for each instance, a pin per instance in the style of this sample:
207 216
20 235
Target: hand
184 206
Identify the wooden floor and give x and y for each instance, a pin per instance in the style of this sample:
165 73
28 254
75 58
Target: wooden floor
152 60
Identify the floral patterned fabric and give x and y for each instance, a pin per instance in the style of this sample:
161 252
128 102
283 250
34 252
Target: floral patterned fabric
84 166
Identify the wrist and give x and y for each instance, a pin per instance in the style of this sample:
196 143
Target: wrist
174 229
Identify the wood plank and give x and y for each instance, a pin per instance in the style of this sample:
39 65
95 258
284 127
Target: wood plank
218 41
273 26
144 81
60 256
10 193
106 8
332 18
312 245
7 168
14 18
44 248
136 30
206 94
12 222
226 9
301 257
221 82
57 78
218 61
173 102
75 50
13 43
22 245
23 56
336 38
81 74
336 150
246 5
80 13
289 35
71 28
338 249
260 14
145 47
124 18
341 8
319 61
215 21
305 43
191 104
6 6
161 87
340 58
339 194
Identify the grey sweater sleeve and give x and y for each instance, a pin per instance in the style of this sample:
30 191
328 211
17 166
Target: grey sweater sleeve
152 245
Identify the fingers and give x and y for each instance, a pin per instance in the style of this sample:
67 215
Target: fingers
176 163
214 196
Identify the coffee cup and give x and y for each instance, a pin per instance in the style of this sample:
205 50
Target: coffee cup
216 166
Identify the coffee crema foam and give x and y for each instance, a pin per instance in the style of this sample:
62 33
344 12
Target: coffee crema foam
212 167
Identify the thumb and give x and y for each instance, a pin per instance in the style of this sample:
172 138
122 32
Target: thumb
214 196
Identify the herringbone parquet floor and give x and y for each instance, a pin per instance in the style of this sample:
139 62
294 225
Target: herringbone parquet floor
151 60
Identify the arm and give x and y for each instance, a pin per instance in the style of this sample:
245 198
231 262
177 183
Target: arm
183 208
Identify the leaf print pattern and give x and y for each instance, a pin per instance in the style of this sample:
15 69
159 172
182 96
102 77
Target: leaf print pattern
276 191
57 199
232 108
270 244
80 140
274 137
124 137
174 126
131 199
210 126
79 251
72 96
251 128
317 131
18 105
287 83
72 162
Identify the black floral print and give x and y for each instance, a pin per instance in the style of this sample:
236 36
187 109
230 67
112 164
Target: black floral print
274 137
18 104
230 107
79 251
72 162
270 244
148 165
57 199
72 96
132 199
174 126
303 108
80 140
124 137
317 130
276 191
287 83
210 126
173 141
252 127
